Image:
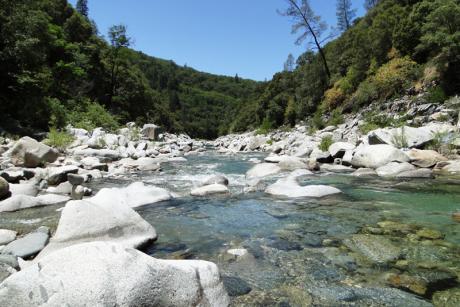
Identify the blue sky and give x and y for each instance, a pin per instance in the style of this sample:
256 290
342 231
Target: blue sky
227 37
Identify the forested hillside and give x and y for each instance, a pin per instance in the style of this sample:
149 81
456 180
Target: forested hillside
399 44
57 70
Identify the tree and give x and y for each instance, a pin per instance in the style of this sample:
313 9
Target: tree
345 14
310 25
289 65
118 39
82 7
369 4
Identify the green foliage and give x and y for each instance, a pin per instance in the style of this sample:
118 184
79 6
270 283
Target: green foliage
399 138
443 142
436 95
336 118
91 115
373 121
265 127
58 139
326 142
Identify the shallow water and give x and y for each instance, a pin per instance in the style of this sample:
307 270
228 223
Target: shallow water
284 237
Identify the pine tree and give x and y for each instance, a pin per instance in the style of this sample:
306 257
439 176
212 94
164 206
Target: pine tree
82 7
345 14
289 65
369 4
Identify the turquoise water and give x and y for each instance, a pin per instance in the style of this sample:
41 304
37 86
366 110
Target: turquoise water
284 237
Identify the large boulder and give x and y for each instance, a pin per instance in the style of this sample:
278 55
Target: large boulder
407 136
288 163
289 187
4 188
263 170
375 156
109 220
392 169
107 274
337 150
256 142
57 175
448 167
135 195
29 245
151 132
425 158
217 179
28 189
30 153
210 190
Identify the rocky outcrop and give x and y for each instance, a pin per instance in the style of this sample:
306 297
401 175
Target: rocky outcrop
108 274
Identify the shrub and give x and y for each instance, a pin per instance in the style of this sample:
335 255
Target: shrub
317 121
336 118
399 139
326 142
333 97
58 139
436 95
91 115
442 142
366 93
265 127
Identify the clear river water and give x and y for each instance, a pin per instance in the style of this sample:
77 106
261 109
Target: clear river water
295 247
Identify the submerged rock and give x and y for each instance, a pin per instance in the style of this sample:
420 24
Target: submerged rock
209 190
107 274
377 249
364 172
217 179
236 286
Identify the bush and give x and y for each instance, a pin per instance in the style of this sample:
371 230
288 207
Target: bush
317 121
436 95
333 97
442 142
58 139
400 139
326 142
265 127
336 118
365 94
92 115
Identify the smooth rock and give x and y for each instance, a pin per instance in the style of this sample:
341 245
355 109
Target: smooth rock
150 131
52 199
28 189
288 163
392 169
6 236
263 170
30 153
289 187
364 172
29 245
217 179
107 274
210 190
4 188
75 179
135 195
375 156
425 158
64 188
84 221
19 202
